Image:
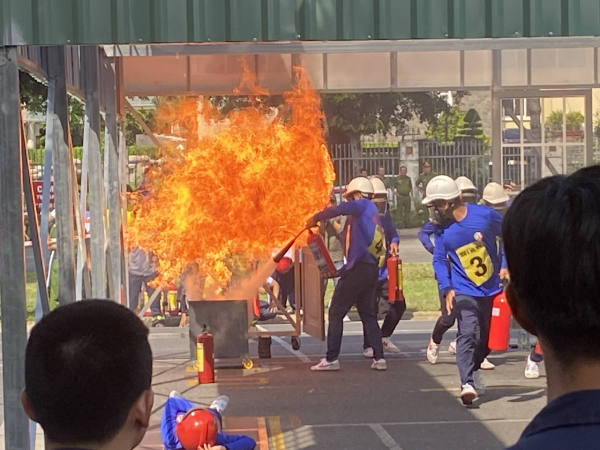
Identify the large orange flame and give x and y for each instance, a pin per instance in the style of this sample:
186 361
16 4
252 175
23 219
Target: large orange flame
246 186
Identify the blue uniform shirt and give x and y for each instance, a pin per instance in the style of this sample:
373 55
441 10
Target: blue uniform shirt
472 248
362 235
571 421
425 234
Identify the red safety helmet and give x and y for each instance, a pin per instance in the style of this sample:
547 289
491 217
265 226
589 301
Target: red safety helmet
197 428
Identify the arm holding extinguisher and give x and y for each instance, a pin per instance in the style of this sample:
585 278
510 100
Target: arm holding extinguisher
391 234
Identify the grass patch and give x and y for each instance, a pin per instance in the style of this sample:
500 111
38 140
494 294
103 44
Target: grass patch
420 288
31 295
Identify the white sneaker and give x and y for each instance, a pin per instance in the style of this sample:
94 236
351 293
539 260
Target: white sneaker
175 394
452 347
479 383
346 318
220 403
380 364
368 353
326 365
487 365
389 346
432 352
532 370
468 394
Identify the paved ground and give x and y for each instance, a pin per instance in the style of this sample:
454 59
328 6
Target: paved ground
413 405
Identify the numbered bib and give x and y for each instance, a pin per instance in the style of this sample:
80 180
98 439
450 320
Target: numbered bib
476 261
377 247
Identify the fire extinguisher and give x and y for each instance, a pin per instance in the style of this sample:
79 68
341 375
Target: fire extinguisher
205 357
395 279
500 324
320 253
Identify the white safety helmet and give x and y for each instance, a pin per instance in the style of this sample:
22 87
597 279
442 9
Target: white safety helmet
378 186
464 184
359 184
441 187
494 194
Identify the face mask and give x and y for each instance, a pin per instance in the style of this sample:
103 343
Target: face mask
382 207
470 198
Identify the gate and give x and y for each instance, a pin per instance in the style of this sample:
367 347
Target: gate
460 158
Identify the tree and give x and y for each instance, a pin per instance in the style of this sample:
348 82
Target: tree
34 97
446 125
471 124
133 128
349 116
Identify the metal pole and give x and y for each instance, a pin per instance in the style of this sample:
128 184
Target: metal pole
39 312
12 255
111 181
40 270
92 144
497 160
62 162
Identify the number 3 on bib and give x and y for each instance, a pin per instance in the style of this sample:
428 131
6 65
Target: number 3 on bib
476 261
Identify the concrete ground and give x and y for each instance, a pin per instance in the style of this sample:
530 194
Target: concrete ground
414 405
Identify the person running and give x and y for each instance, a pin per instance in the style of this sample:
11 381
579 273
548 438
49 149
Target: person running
365 253
396 309
468 242
446 321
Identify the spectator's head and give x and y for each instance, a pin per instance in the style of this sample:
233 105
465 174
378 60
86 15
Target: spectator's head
285 265
381 173
551 238
364 173
426 167
88 376
403 170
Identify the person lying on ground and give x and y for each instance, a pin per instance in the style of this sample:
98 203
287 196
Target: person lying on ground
186 426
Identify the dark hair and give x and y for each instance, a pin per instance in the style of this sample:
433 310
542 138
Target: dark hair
363 170
551 238
85 366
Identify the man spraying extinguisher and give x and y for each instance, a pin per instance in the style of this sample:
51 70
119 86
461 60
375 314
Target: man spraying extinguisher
397 308
365 253
468 241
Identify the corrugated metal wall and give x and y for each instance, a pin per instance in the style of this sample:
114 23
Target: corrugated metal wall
174 21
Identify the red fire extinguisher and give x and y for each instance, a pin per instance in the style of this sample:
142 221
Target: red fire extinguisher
500 324
205 357
320 253
395 279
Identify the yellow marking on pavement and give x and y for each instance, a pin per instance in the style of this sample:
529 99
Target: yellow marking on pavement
263 435
260 381
277 439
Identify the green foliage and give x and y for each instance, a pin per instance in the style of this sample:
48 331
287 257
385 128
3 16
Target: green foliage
228 103
447 125
133 128
34 95
574 120
361 114
471 125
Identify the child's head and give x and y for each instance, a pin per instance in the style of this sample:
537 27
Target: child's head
88 375
199 427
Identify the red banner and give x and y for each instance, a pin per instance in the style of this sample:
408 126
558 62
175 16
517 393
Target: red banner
38 190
